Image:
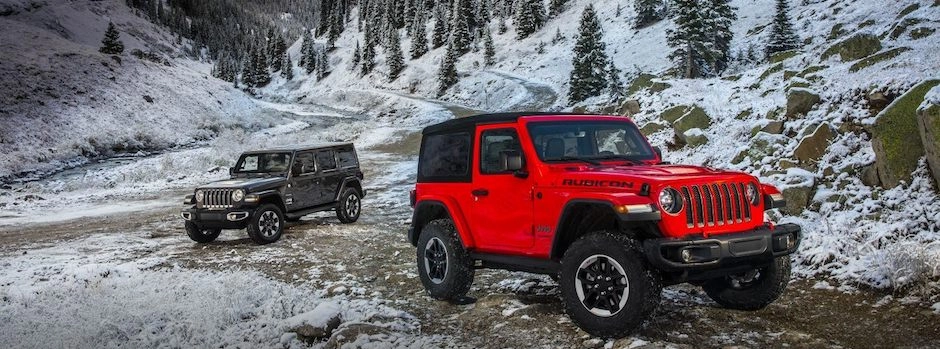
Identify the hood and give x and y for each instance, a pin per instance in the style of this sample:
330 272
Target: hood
249 184
627 176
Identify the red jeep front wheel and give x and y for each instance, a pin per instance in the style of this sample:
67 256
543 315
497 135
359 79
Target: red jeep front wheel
605 283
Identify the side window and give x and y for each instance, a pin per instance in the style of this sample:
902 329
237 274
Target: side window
445 157
326 160
347 158
494 144
306 163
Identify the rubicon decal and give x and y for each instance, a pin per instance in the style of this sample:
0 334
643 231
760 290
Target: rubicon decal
596 183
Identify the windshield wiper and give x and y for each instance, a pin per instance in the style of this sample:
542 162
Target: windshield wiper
632 161
575 158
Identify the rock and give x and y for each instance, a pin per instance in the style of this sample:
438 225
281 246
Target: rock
800 101
798 83
798 197
773 69
870 176
630 107
693 118
579 109
907 10
317 324
877 100
870 60
928 122
784 164
148 99
901 27
350 332
896 151
855 47
836 31
674 113
773 127
922 32
806 72
645 81
812 147
651 128
789 74
694 137
781 56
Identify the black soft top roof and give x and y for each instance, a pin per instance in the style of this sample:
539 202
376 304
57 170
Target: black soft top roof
471 121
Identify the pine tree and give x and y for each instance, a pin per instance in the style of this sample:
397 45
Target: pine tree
483 14
439 36
368 54
306 45
614 83
419 35
782 37
287 67
248 69
589 73
356 58
721 17
396 60
111 44
558 37
648 12
691 40
556 7
310 58
460 28
529 17
489 52
323 63
447 76
261 74
277 53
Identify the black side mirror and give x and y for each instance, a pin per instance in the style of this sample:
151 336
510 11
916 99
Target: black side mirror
511 161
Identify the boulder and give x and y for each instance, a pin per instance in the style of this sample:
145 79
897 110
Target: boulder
629 107
694 137
317 324
651 128
800 101
773 127
351 332
870 175
877 100
645 81
781 56
928 123
798 197
694 117
922 32
870 60
812 147
896 151
674 113
855 47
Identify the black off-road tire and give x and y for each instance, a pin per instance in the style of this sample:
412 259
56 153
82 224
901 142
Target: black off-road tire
765 289
350 206
266 224
202 236
582 269
439 241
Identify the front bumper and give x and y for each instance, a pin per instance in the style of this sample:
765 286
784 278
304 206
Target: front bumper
751 248
235 218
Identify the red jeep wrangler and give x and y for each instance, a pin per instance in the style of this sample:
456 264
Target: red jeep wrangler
586 199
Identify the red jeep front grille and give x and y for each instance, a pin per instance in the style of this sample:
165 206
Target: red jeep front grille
717 204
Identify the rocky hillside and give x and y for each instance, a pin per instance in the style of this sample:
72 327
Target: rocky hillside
62 102
845 124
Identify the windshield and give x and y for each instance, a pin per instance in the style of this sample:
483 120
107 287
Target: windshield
263 163
589 141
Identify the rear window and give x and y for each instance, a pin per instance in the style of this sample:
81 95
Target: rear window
346 157
445 158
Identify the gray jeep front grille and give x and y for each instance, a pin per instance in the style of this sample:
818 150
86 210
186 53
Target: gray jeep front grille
217 199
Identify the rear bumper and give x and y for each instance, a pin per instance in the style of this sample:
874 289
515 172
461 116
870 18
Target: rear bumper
755 247
218 219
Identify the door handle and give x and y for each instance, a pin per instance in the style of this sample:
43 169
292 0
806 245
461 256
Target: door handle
480 192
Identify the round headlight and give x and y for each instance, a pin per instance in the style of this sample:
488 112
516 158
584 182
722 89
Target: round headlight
200 195
751 193
670 201
238 195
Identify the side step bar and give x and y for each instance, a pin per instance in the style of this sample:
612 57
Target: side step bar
315 209
515 263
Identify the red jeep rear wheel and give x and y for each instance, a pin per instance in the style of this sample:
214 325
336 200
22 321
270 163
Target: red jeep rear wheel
444 265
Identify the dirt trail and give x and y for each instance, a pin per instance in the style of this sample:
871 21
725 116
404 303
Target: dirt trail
513 309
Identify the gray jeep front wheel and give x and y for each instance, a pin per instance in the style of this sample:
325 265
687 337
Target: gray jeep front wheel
266 224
